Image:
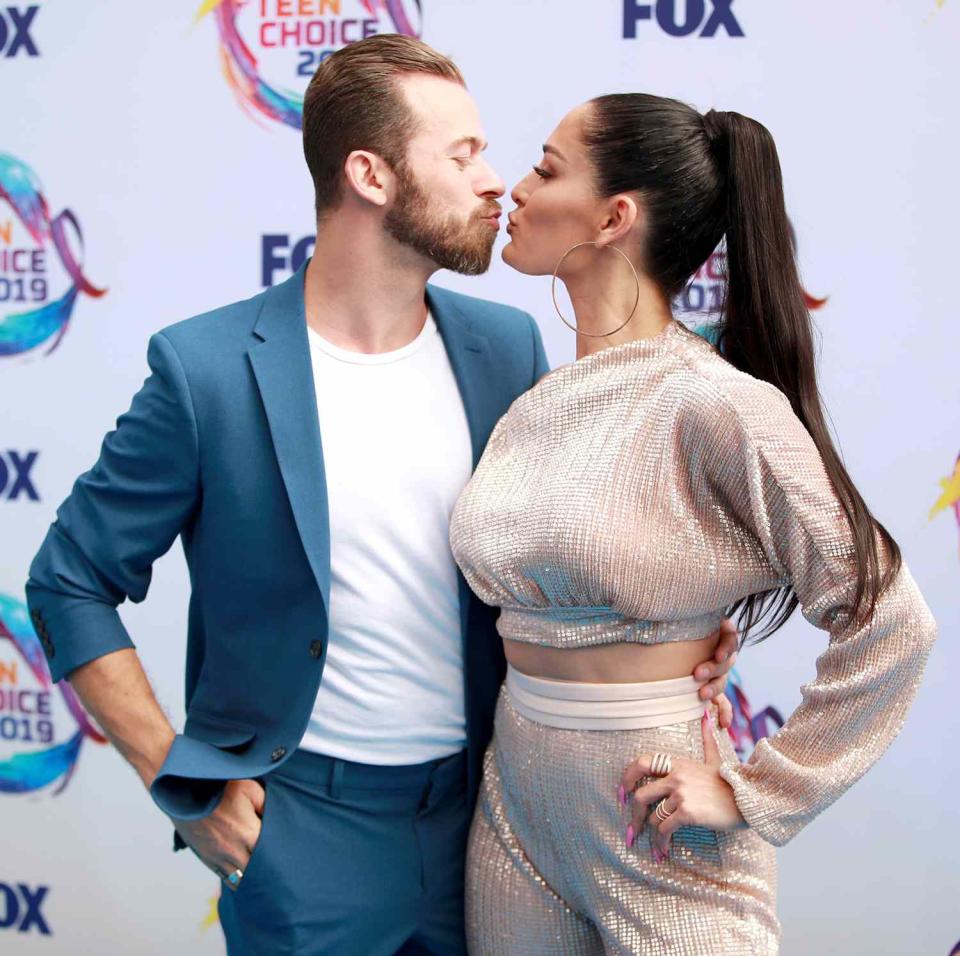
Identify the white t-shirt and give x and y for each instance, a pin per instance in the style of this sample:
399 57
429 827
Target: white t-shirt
397 454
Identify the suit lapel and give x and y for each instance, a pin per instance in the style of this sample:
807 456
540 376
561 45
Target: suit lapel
473 368
284 374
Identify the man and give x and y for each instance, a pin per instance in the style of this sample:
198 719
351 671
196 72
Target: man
335 809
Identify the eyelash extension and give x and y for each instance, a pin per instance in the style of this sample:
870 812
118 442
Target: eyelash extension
542 173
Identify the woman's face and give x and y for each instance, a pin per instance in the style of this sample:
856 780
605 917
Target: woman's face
557 205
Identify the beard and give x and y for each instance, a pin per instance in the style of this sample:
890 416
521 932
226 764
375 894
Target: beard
461 244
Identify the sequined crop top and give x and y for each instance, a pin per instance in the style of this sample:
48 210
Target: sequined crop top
636 494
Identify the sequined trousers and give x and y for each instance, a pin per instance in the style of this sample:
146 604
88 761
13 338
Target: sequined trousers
549 872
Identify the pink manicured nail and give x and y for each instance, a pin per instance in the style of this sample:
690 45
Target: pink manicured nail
708 715
631 835
622 796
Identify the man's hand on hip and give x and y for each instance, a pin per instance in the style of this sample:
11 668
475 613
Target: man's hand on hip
225 838
716 671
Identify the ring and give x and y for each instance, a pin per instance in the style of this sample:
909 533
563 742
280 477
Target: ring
661 765
661 812
234 878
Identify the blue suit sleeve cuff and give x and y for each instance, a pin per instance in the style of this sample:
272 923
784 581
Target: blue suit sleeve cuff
74 635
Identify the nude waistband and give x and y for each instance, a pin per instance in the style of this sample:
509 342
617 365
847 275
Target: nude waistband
572 705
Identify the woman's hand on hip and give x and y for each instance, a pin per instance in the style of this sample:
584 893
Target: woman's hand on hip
691 794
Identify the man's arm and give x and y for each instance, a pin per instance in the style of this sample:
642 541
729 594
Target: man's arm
115 690
120 517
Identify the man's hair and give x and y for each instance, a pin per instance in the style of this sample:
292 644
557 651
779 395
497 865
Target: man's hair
354 102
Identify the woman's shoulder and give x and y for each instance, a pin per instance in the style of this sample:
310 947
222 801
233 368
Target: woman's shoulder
719 397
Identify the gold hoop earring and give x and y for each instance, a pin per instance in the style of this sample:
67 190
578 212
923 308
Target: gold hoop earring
553 291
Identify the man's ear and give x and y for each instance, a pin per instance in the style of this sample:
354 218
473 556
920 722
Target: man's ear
370 178
621 214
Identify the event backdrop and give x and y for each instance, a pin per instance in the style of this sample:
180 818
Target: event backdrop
151 168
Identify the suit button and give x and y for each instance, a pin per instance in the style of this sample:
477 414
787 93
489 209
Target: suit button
278 754
316 649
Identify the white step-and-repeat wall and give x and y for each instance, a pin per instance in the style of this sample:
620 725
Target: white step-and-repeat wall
151 168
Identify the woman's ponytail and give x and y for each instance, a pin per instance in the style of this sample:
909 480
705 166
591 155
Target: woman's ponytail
767 332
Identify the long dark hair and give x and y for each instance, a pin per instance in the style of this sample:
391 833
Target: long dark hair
703 179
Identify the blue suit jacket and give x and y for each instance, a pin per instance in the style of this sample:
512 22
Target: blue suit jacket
222 446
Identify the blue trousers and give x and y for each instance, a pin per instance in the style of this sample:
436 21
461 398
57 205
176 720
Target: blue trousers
355 860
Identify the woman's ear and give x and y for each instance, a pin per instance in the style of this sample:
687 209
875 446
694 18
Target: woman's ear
620 216
368 176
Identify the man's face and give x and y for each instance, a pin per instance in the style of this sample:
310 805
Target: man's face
446 207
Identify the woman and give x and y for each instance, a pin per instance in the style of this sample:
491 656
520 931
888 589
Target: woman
622 506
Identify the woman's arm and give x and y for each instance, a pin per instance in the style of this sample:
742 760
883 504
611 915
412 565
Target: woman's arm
769 481
867 677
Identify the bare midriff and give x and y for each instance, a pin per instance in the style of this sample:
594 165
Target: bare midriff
611 663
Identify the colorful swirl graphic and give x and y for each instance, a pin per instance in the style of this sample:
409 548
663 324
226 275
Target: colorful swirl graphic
33 771
22 331
239 65
749 728
950 494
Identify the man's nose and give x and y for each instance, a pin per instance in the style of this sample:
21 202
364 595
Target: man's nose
490 184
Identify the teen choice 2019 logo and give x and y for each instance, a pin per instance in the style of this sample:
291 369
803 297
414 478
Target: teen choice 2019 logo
749 727
700 305
269 49
42 725
37 263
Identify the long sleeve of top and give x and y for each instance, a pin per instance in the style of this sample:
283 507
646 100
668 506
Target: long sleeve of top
764 463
